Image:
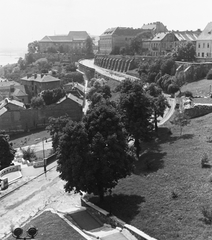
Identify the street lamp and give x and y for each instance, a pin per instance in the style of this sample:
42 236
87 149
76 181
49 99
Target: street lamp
44 159
31 233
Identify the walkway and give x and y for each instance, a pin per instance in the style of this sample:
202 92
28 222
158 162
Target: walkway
118 76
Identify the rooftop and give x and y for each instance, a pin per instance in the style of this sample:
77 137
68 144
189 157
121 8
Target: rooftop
206 33
72 97
42 78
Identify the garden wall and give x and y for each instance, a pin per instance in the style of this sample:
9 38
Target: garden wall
198 111
9 170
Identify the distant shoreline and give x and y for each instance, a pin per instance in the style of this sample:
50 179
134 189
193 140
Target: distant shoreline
10 57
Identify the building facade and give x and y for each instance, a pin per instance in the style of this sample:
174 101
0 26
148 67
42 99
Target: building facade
117 37
74 40
155 27
204 43
36 83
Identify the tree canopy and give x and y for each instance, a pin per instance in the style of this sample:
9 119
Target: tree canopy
52 96
136 110
7 153
93 154
185 52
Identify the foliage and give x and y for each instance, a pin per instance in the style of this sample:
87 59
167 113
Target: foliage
122 50
97 92
205 160
29 58
136 44
93 154
71 68
181 120
37 102
187 93
72 77
89 47
185 52
51 50
33 47
42 63
159 102
52 96
136 110
7 153
209 74
207 213
29 154
55 129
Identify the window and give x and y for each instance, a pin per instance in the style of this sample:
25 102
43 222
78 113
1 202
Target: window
199 45
203 45
198 54
202 54
208 45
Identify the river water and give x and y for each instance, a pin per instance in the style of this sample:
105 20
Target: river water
10 57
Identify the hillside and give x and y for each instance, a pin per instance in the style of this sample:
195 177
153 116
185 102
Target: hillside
165 201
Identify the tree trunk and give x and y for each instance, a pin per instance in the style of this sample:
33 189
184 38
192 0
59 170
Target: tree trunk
101 194
156 123
137 146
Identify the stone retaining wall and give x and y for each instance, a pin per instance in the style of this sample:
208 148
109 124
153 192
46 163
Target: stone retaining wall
105 217
9 170
198 111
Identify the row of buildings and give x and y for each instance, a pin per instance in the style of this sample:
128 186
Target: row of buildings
156 40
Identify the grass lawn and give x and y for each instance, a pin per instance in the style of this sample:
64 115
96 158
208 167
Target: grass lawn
198 88
51 226
24 139
165 200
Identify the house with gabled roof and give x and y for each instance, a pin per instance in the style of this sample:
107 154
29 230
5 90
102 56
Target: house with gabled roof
162 43
116 38
73 40
36 83
155 27
204 43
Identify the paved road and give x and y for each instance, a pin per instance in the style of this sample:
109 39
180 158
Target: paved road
38 195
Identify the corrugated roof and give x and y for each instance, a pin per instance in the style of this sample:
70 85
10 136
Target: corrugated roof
187 35
2 111
206 33
72 97
41 78
15 102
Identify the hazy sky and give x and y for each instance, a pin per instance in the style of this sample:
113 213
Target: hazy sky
23 21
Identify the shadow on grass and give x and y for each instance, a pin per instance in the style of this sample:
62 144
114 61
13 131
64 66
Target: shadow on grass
165 135
150 161
125 207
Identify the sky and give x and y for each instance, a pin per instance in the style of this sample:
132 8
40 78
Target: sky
24 21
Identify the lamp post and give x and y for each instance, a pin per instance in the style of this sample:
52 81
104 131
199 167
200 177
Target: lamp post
44 159
31 233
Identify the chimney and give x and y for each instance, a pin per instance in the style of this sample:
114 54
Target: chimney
35 75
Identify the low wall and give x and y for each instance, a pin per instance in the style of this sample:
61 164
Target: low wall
48 160
105 217
9 170
198 111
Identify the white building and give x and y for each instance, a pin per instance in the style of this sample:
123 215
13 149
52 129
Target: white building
204 43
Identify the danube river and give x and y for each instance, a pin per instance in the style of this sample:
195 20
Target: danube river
10 57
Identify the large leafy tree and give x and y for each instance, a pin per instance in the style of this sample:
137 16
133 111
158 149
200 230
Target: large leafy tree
158 101
89 46
55 128
37 102
93 154
52 96
7 153
185 52
135 107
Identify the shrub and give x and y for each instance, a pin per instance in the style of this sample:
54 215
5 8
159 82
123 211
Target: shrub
174 194
205 161
29 154
209 75
207 213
